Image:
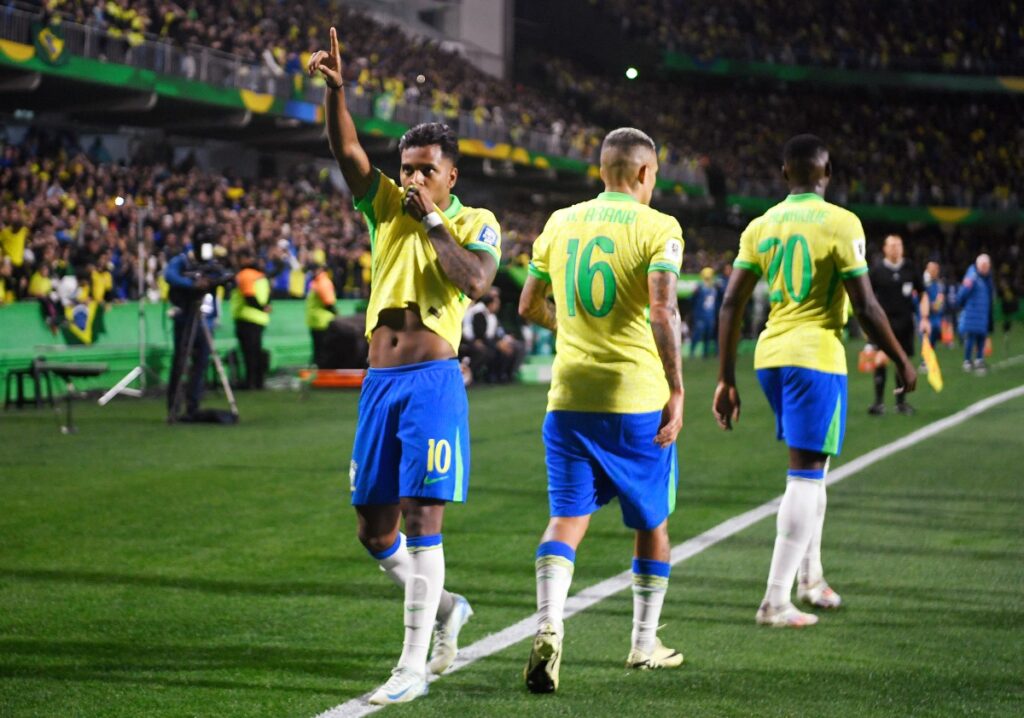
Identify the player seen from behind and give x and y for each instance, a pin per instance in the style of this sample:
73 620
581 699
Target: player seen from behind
811 253
616 401
431 257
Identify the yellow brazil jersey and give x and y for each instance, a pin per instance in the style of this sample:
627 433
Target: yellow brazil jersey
805 247
404 266
597 255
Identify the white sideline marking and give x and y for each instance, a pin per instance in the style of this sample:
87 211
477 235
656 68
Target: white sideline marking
586 598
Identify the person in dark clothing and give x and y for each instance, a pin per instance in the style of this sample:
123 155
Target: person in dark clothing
900 290
192 302
250 307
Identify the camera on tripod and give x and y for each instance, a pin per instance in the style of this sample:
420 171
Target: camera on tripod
205 265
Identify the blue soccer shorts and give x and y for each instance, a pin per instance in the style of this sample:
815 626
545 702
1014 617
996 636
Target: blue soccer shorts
594 457
412 437
809 406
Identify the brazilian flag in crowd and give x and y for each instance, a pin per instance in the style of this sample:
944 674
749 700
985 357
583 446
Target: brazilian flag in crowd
84 322
49 41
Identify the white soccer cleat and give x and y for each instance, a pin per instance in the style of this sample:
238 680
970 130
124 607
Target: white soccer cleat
541 672
788 616
820 595
446 636
660 657
404 685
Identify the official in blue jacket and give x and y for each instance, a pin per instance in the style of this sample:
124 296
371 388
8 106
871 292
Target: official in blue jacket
975 302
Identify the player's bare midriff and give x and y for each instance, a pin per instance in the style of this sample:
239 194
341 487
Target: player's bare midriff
401 338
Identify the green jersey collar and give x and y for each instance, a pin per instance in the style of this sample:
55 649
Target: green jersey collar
805 197
616 197
454 207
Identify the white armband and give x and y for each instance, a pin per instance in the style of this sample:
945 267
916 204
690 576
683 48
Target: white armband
432 220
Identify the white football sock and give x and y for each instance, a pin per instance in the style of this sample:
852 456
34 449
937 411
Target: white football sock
811 571
650 583
554 576
398 566
423 589
794 526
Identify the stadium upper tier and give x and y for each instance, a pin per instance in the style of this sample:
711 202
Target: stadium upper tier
960 150
958 35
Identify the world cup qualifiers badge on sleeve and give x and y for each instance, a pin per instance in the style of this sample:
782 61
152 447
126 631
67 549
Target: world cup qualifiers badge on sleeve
488 236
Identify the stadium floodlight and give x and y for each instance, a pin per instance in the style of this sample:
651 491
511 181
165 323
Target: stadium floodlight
632 73
119 200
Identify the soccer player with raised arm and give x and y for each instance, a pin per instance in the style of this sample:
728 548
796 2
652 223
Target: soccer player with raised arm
811 253
431 256
616 401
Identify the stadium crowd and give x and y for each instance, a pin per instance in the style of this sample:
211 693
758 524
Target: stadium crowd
901 35
919 151
915 151
61 218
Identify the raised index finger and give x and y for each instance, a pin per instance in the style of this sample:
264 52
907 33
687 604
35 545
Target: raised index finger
334 41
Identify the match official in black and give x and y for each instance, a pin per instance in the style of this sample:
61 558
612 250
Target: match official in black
899 287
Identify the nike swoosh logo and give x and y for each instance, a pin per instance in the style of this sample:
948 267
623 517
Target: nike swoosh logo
413 609
427 480
396 696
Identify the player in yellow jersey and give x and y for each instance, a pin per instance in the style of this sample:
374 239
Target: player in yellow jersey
811 253
431 256
616 401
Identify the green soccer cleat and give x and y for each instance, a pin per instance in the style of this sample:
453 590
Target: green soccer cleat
788 616
446 636
541 672
660 657
820 595
404 685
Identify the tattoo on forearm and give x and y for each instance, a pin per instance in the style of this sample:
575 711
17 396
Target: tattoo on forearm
459 264
665 325
544 313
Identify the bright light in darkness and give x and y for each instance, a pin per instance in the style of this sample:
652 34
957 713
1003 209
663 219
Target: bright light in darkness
631 73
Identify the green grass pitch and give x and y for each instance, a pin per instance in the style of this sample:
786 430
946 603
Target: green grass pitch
148 570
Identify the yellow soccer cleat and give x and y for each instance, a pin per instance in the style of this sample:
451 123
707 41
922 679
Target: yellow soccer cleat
660 657
541 672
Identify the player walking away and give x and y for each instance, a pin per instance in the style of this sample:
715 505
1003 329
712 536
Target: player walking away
900 291
975 301
431 257
810 251
612 418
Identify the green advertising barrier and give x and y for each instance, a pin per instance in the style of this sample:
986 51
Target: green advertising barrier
88 70
944 82
24 336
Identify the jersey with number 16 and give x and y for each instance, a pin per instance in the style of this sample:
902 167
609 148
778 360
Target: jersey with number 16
804 247
597 255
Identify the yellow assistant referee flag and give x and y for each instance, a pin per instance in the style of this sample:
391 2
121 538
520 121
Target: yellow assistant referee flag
932 362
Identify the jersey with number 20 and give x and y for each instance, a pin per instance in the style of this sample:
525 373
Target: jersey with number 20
597 255
805 247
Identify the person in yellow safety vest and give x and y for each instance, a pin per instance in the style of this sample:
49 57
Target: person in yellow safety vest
320 310
250 308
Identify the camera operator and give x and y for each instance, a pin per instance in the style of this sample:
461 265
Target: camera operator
250 308
191 294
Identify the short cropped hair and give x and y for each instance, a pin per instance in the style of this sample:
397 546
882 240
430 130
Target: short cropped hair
628 139
803 148
432 133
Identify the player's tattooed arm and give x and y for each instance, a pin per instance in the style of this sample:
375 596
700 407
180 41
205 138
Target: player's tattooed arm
472 272
534 305
665 325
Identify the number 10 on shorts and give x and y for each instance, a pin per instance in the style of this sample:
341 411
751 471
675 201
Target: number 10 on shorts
439 456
